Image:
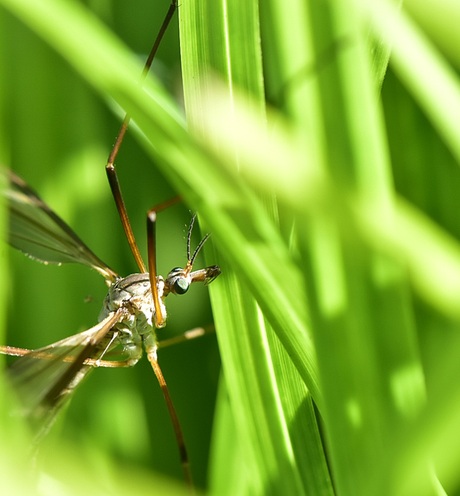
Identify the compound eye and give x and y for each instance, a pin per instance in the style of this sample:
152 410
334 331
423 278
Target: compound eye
181 285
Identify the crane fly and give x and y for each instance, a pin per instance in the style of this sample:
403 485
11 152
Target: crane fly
132 310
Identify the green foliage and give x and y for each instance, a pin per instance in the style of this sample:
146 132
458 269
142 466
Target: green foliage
330 185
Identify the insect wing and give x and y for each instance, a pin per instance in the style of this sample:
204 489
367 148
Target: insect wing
40 233
44 378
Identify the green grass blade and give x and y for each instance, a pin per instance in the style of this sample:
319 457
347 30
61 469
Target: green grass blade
266 458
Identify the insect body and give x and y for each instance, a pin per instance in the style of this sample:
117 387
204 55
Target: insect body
132 310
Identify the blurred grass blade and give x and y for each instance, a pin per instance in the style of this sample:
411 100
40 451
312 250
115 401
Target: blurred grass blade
414 56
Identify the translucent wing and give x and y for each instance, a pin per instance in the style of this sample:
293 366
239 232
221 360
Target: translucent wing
44 378
41 234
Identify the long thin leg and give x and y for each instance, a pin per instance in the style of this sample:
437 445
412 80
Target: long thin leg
20 352
15 351
110 166
196 332
160 318
174 419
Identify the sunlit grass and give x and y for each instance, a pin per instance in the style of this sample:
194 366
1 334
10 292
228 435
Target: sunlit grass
333 212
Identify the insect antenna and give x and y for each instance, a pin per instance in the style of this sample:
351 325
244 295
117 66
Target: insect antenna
197 249
160 321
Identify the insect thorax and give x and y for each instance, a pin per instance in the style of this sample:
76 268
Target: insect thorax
133 294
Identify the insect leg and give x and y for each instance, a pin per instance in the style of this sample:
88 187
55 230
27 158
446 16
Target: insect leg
151 349
110 166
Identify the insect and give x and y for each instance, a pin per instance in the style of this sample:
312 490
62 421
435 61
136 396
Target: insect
133 308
